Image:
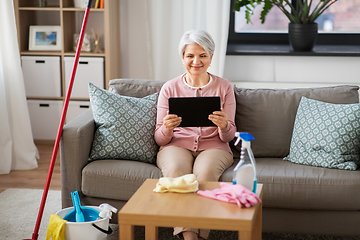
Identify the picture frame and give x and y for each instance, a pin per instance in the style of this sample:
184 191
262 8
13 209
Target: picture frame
45 38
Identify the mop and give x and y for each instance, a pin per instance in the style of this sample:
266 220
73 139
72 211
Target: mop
61 125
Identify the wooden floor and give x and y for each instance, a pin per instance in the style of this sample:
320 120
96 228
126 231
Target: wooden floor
36 178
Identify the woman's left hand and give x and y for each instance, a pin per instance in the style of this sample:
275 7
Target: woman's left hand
219 118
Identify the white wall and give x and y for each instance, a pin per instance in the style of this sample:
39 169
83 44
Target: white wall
133 44
244 71
291 71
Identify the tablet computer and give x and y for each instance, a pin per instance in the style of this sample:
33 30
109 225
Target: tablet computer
194 111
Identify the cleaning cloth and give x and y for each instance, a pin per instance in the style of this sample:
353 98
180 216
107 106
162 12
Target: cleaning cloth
56 228
237 193
183 184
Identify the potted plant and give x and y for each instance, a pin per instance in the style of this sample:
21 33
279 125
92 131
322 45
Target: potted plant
303 29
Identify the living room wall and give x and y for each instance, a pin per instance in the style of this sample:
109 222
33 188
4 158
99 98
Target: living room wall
291 71
245 70
264 71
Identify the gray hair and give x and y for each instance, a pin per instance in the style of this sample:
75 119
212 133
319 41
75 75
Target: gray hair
200 37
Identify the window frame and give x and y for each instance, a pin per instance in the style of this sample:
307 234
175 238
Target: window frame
331 40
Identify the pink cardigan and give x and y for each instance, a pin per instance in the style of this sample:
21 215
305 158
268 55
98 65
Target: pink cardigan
196 138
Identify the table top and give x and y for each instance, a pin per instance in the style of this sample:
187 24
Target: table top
146 207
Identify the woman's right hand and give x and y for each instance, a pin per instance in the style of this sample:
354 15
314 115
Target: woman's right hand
171 121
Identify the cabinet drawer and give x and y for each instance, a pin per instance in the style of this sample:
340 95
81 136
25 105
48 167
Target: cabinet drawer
45 118
89 69
76 108
42 76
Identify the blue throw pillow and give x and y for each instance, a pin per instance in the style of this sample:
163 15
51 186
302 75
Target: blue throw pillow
125 126
326 135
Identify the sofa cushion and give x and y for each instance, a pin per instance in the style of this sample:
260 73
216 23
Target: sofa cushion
295 186
326 135
269 114
124 126
117 180
135 87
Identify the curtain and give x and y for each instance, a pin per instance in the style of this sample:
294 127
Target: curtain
150 38
17 149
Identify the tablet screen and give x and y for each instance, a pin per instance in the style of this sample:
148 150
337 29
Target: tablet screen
194 111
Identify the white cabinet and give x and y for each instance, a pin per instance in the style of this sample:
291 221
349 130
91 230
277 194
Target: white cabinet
45 118
76 108
42 76
90 69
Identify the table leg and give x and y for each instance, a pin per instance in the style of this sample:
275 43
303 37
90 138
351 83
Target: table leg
151 233
257 229
244 235
126 232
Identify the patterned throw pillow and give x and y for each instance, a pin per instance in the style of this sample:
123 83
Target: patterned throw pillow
326 135
124 126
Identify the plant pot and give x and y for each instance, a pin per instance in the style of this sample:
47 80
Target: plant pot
302 37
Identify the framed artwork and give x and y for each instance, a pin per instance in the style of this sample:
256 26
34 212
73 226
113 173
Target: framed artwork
45 38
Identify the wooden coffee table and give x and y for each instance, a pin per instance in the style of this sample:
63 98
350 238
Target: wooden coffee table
153 210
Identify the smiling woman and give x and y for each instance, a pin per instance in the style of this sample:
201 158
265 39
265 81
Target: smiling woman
196 61
199 150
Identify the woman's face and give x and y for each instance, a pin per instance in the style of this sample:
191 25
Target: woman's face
196 60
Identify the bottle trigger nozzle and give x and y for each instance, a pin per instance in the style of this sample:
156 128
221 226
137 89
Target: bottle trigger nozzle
106 209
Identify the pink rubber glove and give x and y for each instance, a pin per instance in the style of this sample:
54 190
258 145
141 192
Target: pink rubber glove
227 192
244 195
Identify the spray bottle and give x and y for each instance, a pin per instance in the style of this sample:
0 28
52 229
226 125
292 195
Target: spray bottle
106 210
245 172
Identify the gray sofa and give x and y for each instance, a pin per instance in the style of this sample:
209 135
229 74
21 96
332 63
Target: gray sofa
297 198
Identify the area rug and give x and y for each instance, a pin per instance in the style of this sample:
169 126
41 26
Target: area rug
19 209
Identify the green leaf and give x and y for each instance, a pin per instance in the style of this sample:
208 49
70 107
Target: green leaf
248 16
252 3
267 6
238 4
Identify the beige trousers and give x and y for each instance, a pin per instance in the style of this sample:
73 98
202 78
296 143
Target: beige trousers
207 165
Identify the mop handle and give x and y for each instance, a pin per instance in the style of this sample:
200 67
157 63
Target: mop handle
61 125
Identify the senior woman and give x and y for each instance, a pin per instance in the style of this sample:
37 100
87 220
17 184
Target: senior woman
203 151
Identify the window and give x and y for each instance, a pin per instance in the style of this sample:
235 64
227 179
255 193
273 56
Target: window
276 22
338 25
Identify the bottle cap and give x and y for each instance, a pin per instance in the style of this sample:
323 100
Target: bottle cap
246 136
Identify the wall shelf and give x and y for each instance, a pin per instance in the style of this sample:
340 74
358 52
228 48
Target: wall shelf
63 13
